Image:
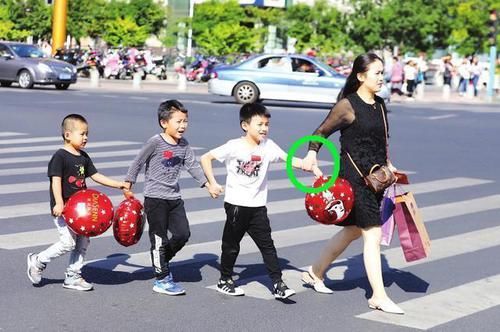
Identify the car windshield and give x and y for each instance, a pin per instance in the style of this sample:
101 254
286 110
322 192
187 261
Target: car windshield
28 51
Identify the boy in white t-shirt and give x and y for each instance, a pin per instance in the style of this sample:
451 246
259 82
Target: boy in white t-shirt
247 160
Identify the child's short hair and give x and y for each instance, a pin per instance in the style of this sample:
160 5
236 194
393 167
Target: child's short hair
249 110
169 107
69 121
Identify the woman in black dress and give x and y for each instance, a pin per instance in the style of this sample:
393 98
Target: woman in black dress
360 116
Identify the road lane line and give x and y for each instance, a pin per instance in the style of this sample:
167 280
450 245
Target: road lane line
10 133
440 249
91 145
445 306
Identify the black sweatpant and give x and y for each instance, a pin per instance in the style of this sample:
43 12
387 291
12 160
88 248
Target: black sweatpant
254 221
165 215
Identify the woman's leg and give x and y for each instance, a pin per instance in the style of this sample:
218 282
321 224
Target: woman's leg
335 246
371 258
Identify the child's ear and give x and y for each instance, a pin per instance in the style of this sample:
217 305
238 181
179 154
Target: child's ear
66 135
244 126
163 124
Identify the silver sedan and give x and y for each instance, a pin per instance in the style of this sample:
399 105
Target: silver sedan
27 65
279 77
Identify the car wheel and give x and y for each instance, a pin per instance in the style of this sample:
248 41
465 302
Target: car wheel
62 86
25 79
5 84
246 92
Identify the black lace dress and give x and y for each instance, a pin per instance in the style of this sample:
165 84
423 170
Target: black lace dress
362 134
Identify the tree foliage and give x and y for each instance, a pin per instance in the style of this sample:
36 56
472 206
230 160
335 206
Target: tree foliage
124 32
221 28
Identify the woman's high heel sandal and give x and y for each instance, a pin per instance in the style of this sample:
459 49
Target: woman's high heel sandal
386 306
311 279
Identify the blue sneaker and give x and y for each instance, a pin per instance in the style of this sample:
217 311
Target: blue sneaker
168 286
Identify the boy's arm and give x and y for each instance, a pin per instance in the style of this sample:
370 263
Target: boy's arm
299 163
139 160
57 192
105 181
206 164
193 167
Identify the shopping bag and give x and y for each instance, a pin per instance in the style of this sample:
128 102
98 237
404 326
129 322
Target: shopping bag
386 215
413 235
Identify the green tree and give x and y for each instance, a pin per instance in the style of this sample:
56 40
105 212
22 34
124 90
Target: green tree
321 26
124 31
146 13
86 18
31 15
7 27
469 31
222 27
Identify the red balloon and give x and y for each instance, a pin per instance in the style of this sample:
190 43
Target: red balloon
128 222
330 206
88 212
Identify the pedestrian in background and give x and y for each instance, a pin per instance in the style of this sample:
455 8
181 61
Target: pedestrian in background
410 74
360 116
464 76
475 72
396 76
447 69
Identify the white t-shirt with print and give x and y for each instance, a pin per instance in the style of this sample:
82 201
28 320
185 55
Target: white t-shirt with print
246 182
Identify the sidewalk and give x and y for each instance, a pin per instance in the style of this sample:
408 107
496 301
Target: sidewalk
145 86
432 94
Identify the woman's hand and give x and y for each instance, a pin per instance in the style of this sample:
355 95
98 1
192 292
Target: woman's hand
317 172
392 168
310 161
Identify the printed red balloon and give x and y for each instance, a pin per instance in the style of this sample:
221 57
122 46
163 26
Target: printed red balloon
128 222
88 212
331 206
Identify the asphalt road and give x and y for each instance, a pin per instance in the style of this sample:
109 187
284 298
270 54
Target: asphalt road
450 151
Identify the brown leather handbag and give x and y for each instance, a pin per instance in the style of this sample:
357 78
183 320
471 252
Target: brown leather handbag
380 176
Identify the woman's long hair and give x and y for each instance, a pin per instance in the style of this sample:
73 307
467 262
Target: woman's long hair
360 65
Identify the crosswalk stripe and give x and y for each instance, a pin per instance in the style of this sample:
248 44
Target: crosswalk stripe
46 158
431 186
93 155
442 307
58 146
10 133
441 248
429 213
208 216
30 140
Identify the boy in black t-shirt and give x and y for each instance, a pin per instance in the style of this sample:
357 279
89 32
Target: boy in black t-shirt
67 171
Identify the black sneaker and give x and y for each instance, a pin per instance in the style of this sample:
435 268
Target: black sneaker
281 290
228 287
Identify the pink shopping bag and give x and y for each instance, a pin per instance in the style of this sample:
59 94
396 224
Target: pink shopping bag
386 215
413 235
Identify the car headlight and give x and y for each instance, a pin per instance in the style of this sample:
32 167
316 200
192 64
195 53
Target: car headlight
44 68
73 69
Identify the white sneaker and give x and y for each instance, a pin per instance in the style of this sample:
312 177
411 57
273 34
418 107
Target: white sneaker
311 279
75 281
35 269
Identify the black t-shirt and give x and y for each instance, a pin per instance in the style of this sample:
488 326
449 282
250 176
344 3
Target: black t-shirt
72 170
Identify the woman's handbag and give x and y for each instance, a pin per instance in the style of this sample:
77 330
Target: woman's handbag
380 177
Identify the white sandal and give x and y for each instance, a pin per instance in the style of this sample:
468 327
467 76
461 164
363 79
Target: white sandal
311 279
